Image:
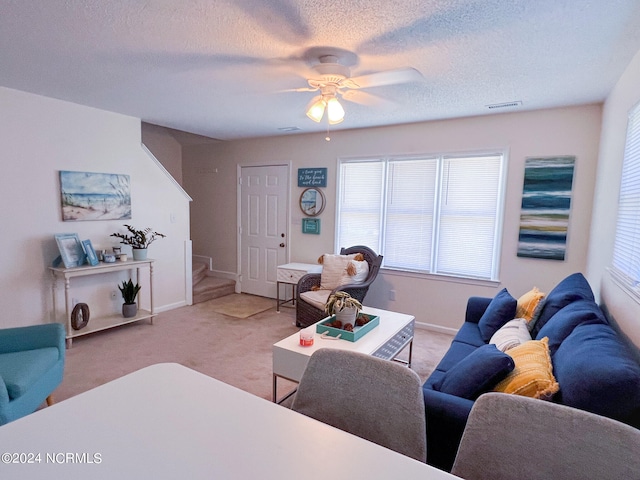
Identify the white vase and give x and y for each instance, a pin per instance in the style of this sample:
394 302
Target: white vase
139 253
347 315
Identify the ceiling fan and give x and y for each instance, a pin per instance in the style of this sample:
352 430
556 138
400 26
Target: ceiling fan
332 79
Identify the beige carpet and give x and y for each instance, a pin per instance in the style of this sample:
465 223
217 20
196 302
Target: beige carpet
241 305
235 351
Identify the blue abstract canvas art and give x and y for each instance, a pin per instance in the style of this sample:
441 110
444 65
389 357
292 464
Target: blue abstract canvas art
95 196
546 204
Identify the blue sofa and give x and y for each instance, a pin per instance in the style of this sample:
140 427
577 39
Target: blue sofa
31 367
596 369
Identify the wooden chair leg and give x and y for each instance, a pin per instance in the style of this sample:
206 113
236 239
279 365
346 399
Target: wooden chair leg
50 400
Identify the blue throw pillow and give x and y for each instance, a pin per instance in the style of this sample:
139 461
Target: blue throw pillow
476 374
561 325
501 309
574 287
598 373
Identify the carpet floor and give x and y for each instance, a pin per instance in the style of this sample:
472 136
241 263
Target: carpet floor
234 350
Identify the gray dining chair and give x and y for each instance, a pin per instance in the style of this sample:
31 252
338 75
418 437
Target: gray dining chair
510 436
375 399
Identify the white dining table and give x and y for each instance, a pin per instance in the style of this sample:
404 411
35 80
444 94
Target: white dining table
167 421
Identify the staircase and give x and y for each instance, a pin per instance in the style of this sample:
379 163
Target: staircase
206 287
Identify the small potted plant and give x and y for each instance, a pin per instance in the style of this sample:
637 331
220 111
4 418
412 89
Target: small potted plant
129 292
139 240
344 307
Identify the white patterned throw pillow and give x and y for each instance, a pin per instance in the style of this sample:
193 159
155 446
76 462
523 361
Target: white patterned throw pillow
511 334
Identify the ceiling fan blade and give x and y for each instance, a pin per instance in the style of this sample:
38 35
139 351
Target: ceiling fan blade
366 98
389 77
301 89
191 61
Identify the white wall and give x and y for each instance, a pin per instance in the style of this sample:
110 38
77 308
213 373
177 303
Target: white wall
623 97
40 136
209 175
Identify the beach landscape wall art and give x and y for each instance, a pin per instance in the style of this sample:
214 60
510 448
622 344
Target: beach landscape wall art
546 204
95 196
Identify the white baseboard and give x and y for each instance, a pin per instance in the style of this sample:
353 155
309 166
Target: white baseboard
170 306
437 328
208 261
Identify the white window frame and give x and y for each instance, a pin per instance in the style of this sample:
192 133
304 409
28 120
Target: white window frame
499 213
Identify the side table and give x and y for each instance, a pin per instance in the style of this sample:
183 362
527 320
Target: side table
290 273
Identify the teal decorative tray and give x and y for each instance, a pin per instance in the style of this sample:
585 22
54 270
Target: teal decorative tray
358 332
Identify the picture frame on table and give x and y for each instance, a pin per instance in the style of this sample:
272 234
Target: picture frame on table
92 257
71 251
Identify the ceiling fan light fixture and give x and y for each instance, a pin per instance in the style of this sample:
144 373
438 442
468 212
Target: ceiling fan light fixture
315 109
335 112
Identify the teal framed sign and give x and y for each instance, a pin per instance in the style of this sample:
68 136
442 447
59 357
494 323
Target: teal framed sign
312 177
311 225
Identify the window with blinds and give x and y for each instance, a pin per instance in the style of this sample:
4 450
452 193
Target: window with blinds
626 251
433 214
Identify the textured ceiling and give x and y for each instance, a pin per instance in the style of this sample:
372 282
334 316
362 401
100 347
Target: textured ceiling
222 68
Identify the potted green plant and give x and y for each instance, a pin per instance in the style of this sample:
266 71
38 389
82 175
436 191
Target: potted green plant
129 292
344 307
139 240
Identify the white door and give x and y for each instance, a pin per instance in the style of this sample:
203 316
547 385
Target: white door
264 239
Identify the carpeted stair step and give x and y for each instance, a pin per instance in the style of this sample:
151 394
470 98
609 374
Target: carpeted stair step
199 272
211 287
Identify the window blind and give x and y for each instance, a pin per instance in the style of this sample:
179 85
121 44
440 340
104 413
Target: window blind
408 236
468 216
432 214
360 204
626 252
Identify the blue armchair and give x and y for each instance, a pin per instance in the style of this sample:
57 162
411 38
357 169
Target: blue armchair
31 367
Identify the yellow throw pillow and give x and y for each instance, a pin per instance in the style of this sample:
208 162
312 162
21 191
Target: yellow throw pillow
533 373
527 304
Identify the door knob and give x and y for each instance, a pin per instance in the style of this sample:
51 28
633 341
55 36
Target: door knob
282 245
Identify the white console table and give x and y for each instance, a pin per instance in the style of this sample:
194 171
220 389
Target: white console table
290 273
109 321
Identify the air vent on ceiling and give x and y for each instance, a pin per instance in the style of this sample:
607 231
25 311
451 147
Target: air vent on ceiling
513 104
288 129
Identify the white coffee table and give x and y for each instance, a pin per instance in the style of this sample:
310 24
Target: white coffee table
386 341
